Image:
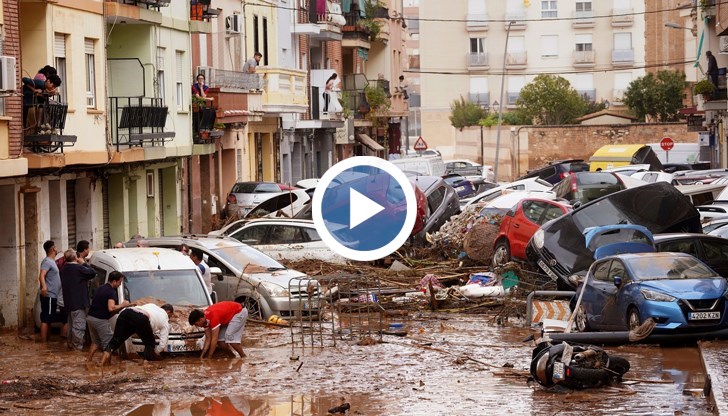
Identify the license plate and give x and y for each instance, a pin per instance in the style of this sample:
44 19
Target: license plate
558 370
314 304
696 316
180 348
546 269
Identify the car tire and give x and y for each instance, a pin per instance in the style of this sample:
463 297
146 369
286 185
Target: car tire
633 318
501 253
619 365
581 321
257 306
582 378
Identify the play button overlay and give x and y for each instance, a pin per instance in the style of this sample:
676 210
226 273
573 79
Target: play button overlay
364 208
361 208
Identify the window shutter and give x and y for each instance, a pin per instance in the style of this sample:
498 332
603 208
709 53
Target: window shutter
160 59
178 65
88 46
59 45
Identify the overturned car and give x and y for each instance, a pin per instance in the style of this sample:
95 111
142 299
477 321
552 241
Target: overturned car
558 247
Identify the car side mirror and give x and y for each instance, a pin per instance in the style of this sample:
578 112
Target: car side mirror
618 281
511 213
575 203
215 271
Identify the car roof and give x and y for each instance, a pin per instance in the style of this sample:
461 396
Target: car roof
630 256
292 221
426 182
145 258
204 241
680 236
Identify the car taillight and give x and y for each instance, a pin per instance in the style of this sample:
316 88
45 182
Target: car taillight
231 199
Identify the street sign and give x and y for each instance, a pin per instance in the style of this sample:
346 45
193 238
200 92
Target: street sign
667 144
420 145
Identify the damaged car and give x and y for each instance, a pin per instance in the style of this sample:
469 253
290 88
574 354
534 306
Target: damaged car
558 246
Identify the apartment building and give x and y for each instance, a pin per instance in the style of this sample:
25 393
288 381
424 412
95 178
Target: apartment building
412 75
599 46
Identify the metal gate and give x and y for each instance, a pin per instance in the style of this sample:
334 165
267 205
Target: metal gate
105 215
71 212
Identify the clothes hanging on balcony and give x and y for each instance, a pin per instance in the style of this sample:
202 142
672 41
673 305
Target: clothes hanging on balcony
321 7
346 6
362 7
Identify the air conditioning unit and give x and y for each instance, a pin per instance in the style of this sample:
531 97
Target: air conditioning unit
8 81
234 24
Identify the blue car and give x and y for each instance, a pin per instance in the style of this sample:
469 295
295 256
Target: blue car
676 290
629 283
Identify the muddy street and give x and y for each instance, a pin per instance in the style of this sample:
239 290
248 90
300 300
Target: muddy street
448 364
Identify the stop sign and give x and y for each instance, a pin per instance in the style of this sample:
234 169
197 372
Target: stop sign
666 144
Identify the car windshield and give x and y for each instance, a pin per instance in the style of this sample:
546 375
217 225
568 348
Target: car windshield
242 256
254 187
176 287
669 267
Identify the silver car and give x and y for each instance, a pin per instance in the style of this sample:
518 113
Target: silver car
246 275
244 196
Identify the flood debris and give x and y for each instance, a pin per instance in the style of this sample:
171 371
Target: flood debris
341 409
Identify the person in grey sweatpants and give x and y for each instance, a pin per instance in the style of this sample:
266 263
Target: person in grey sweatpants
74 282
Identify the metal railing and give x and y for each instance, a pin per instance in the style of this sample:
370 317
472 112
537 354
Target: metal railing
477 59
136 121
480 98
516 58
622 56
588 95
584 57
583 16
224 78
43 122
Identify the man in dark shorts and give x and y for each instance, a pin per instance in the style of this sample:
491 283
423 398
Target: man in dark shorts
50 288
224 323
145 321
104 304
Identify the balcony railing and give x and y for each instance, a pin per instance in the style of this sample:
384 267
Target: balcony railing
201 10
584 58
284 88
149 4
477 21
478 59
589 95
356 100
480 98
622 56
583 18
516 59
44 122
622 17
223 78
203 124
138 121
618 95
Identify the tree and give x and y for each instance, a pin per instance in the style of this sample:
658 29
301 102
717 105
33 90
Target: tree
464 113
550 100
657 96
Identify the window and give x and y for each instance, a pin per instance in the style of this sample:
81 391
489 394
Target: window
90 73
516 44
621 4
434 200
265 42
479 90
284 234
584 85
256 38
477 45
311 234
251 235
548 9
476 7
617 270
533 210
679 246
160 73
715 251
515 84
59 50
552 212
179 65
583 43
623 41
601 271
622 80
583 7
549 46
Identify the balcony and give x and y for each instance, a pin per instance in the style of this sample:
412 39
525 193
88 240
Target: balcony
622 57
584 59
478 60
201 15
622 17
589 95
354 34
284 91
516 60
415 100
203 124
135 11
44 123
354 97
138 122
519 17
237 96
320 24
476 22
618 96
583 19
480 98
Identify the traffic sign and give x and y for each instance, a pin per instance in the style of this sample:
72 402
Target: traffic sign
420 145
667 144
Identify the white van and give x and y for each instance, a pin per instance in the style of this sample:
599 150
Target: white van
160 274
424 165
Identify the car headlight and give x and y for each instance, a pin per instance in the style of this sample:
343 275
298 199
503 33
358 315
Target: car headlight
657 296
538 238
274 289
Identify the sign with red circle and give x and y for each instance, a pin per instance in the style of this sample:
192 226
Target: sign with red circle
667 144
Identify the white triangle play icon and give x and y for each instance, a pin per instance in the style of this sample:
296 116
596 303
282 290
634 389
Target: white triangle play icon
361 208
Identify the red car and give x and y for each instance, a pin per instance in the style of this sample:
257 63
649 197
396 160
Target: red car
520 223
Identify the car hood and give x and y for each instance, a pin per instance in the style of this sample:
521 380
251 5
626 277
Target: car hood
279 277
689 288
659 207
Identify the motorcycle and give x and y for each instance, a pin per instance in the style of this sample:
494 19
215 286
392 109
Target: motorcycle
574 366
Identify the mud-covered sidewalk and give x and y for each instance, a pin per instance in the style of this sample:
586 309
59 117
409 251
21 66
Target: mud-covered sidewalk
447 365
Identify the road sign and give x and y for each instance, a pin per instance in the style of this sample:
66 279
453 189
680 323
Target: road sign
420 145
667 144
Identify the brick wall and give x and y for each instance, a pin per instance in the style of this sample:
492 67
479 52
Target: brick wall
662 44
13 104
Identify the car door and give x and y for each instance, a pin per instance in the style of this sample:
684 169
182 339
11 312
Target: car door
251 234
593 299
284 242
224 285
715 254
613 315
523 226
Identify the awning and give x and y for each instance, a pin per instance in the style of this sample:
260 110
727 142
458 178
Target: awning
369 142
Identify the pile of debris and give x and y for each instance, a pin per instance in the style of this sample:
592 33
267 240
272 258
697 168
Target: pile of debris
469 234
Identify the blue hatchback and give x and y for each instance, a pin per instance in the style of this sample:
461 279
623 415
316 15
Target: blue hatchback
676 290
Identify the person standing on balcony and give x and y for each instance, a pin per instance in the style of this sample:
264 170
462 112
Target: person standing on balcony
252 63
712 69
199 89
331 90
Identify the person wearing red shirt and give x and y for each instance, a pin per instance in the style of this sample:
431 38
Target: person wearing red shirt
224 322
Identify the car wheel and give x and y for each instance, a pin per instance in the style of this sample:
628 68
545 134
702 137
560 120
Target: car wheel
581 321
502 253
257 307
633 318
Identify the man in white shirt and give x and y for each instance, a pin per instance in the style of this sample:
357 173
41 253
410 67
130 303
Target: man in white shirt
145 321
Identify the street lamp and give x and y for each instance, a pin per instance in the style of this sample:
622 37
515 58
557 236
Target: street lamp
673 25
500 110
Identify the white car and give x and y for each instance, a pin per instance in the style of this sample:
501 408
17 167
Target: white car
651 177
530 184
286 204
285 239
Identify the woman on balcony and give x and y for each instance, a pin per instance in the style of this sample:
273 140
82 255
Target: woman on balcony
199 89
331 89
